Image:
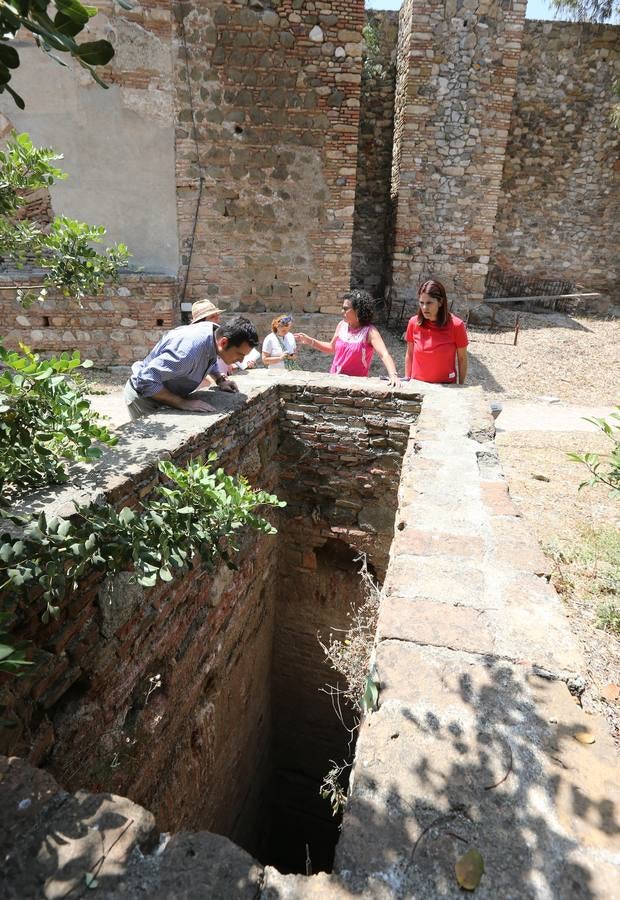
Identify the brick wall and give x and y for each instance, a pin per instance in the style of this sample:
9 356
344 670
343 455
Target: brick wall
558 214
273 135
88 710
116 328
457 73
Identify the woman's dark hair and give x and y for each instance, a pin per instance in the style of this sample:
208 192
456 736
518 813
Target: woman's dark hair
437 290
363 304
238 331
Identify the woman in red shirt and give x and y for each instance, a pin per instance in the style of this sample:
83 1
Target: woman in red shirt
436 339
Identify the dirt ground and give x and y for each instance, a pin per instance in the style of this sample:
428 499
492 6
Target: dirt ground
576 361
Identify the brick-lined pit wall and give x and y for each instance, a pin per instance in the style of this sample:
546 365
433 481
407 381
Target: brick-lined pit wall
373 213
339 456
116 328
558 214
195 745
201 698
457 65
267 113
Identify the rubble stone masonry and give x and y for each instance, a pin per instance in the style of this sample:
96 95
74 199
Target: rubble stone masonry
558 214
267 122
457 65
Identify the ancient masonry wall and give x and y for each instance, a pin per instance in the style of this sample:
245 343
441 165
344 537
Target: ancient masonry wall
268 113
473 740
116 328
128 681
558 214
457 75
373 212
339 460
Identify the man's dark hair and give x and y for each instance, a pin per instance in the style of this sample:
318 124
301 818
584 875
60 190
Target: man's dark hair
363 304
238 331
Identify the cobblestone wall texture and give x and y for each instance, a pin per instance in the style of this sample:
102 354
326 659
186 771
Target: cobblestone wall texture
457 74
558 214
268 113
373 211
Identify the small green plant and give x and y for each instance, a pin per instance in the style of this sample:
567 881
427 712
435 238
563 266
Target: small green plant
372 66
199 510
331 788
45 419
604 469
608 616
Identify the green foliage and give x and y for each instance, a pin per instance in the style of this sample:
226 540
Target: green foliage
45 419
55 25
64 250
24 167
331 789
588 10
372 66
608 616
198 511
603 469
12 656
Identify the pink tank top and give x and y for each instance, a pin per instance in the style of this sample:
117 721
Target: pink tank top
353 352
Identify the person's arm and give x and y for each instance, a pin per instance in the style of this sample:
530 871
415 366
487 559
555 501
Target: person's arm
323 346
409 360
194 404
461 355
377 342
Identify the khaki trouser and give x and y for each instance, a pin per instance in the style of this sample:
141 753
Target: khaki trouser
139 406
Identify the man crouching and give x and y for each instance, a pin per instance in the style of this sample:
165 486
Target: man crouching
182 359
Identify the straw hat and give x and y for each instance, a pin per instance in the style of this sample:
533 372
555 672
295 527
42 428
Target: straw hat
202 309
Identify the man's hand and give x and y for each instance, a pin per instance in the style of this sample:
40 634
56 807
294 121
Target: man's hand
226 385
197 405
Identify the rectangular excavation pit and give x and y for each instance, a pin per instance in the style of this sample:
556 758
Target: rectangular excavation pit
203 700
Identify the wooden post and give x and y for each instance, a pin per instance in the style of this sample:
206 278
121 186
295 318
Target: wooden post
517 317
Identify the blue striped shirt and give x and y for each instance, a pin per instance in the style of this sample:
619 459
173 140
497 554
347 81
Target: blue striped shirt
179 362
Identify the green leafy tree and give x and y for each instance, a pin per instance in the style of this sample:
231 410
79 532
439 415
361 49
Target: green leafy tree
55 27
63 250
45 419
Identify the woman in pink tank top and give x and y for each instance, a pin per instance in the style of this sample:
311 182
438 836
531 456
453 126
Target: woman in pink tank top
355 340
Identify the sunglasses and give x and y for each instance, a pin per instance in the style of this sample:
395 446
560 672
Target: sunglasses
286 320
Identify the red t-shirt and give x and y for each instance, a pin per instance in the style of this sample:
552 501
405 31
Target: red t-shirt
434 349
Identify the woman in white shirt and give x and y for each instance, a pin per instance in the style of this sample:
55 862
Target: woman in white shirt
279 347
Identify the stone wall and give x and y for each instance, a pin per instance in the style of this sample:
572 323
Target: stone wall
457 67
559 208
267 112
162 694
373 211
339 458
116 328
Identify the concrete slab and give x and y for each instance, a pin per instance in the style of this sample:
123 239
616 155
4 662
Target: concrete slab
544 416
472 752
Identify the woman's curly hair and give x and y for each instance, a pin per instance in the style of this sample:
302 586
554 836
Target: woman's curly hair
363 304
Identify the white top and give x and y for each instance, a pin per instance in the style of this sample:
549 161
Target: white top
272 347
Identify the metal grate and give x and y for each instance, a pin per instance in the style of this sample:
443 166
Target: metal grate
501 284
